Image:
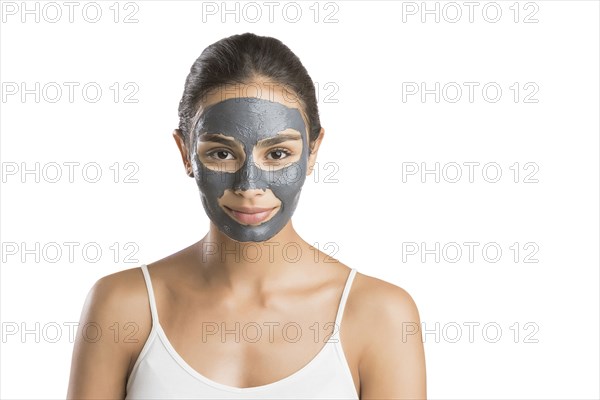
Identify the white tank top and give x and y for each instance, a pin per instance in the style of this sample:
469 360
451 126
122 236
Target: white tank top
161 373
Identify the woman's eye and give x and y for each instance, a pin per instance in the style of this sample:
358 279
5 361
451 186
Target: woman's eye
221 155
278 154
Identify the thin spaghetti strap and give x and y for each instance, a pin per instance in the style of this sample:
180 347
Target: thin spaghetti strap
340 311
150 294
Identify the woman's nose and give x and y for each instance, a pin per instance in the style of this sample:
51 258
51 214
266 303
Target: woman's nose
249 193
248 179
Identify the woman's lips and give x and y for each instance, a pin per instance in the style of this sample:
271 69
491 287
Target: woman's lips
250 215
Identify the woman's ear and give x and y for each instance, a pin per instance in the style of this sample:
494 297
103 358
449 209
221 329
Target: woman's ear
177 135
314 148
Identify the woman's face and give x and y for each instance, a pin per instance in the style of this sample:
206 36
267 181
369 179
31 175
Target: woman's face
250 158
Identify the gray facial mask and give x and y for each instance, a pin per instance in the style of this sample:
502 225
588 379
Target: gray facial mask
249 120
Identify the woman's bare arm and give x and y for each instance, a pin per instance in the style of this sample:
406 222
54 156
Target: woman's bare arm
110 332
392 364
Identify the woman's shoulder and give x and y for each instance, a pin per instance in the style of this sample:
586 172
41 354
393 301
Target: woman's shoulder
114 325
388 332
374 302
127 288
122 287
119 299
376 313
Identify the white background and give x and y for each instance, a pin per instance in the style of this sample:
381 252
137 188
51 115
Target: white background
368 217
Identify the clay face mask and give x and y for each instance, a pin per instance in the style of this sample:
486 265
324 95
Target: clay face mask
248 121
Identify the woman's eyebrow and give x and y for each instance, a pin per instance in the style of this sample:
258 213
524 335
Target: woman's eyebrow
218 138
282 137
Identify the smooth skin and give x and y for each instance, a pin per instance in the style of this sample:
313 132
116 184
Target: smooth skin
380 329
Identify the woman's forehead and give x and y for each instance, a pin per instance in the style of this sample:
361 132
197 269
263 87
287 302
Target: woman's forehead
250 118
259 89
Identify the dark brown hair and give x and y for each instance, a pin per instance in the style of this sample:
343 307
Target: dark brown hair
239 59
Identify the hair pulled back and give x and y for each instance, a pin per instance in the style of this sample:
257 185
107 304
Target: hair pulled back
241 59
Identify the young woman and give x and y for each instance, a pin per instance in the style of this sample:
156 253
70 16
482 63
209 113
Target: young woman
248 311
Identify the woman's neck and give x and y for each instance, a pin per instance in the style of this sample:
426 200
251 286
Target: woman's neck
253 265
